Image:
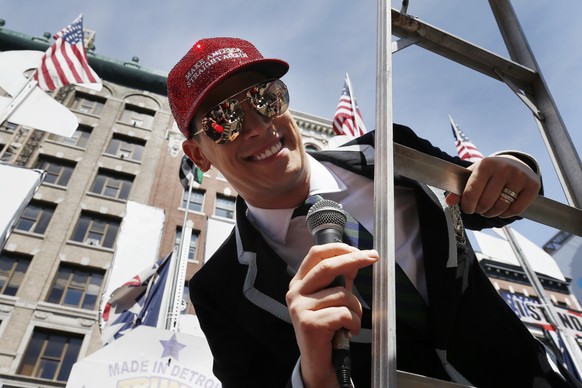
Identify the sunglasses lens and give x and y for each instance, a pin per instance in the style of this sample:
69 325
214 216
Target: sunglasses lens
223 122
270 99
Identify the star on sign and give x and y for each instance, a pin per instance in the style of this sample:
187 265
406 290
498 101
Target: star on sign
172 347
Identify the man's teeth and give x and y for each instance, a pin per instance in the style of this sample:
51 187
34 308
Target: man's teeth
271 151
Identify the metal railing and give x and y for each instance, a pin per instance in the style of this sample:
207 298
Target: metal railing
522 76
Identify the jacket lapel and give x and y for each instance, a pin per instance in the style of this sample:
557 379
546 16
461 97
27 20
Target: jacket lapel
267 276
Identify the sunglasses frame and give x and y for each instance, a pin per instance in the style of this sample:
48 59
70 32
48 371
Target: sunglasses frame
235 132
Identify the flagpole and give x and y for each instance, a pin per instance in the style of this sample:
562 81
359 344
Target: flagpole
353 101
178 269
570 343
18 98
454 125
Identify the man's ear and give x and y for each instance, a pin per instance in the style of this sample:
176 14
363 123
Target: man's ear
193 151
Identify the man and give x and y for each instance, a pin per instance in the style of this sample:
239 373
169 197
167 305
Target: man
264 299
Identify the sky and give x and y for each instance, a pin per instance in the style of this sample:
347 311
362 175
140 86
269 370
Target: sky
325 39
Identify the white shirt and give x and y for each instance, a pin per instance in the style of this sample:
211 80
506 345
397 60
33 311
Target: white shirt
291 239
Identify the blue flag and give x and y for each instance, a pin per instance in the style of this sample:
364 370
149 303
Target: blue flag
137 302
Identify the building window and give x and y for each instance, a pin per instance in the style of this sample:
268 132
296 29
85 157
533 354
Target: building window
137 117
112 184
126 147
13 266
78 139
193 243
35 217
51 355
96 230
88 104
8 126
58 171
196 200
76 287
224 206
6 153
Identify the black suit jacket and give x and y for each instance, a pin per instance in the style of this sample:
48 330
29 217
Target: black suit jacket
239 297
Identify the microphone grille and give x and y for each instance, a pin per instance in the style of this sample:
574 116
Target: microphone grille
325 212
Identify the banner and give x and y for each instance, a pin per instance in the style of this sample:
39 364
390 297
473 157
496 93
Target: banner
38 110
531 311
23 183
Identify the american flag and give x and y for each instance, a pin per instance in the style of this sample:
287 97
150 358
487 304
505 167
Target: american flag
465 149
345 121
137 302
65 62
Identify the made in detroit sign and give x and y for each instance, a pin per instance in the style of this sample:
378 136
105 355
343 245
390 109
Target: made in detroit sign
147 357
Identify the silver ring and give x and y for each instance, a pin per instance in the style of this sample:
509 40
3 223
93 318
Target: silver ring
508 199
511 193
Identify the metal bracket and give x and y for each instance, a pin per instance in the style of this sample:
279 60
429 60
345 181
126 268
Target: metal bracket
537 113
403 43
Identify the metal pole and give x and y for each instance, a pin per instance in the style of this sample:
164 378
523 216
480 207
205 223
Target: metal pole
384 304
554 133
18 98
178 268
569 342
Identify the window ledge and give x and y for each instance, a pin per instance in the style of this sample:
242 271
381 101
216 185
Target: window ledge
101 196
133 126
192 211
8 300
122 158
29 234
55 142
97 116
17 380
219 218
73 312
96 247
54 185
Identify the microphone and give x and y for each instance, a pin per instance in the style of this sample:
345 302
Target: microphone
326 221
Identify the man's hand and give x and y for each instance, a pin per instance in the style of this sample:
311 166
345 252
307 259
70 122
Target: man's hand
499 186
318 312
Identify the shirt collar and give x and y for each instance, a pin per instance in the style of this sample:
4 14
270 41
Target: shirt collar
274 223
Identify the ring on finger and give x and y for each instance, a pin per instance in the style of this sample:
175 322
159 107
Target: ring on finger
510 192
508 199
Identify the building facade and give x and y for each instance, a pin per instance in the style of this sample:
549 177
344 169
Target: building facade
56 260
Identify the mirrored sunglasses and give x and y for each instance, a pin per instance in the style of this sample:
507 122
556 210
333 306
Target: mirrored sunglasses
224 122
